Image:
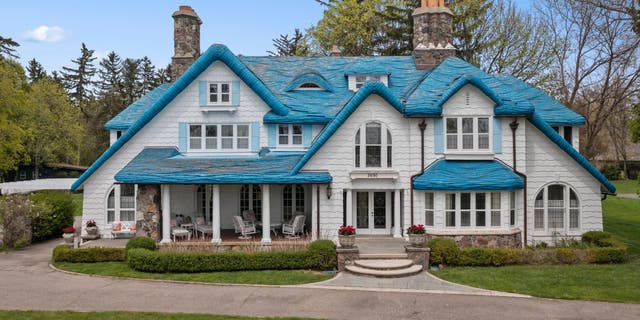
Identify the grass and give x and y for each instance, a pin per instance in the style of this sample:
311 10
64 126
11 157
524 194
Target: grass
270 277
120 315
626 186
77 200
615 283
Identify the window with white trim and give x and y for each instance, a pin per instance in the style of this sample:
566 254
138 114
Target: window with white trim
428 209
467 133
218 137
251 199
309 86
374 146
289 135
356 81
472 209
512 208
121 203
292 201
219 93
552 210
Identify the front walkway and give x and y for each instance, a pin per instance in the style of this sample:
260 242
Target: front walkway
27 283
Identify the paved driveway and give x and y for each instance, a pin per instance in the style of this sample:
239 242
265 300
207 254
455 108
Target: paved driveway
27 283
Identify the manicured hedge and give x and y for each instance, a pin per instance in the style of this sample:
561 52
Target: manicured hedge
320 255
141 243
64 253
501 257
443 251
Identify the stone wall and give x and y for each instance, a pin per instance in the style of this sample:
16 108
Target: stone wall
512 239
148 212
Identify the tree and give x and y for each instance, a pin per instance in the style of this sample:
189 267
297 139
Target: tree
163 75
131 84
147 75
630 10
110 74
7 48
13 93
78 80
294 46
471 28
35 71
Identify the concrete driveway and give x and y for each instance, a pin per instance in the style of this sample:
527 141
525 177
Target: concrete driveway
27 283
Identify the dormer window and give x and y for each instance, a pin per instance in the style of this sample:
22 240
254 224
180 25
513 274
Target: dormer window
219 93
309 86
356 81
467 133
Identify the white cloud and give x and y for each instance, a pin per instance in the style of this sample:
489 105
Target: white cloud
46 34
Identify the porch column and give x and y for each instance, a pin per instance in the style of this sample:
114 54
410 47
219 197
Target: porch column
397 224
266 215
165 192
314 212
349 207
215 214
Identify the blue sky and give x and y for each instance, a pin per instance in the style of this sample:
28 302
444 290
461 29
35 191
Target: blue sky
52 31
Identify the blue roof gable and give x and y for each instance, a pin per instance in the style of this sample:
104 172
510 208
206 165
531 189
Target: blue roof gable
125 119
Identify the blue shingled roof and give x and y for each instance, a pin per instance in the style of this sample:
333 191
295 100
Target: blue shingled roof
468 175
167 165
125 119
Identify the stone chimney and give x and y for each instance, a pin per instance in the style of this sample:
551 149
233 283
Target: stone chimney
432 34
186 40
335 51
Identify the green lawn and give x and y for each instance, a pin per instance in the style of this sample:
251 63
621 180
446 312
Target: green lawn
272 277
77 200
626 186
616 283
119 315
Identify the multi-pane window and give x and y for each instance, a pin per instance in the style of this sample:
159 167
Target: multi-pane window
467 133
251 199
289 135
220 93
512 208
292 201
121 203
558 206
218 137
472 209
374 146
204 202
428 209
362 79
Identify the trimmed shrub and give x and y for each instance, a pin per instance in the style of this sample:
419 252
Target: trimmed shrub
322 255
15 214
598 239
610 255
443 251
54 211
490 257
611 171
141 243
501 257
64 253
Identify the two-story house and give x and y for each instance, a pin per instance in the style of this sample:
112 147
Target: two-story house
380 143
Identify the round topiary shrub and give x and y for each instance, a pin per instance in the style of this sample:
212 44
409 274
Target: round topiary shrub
322 255
443 251
141 243
597 238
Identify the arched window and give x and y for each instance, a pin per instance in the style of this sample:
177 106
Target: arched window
557 208
292 202
202 205
251 199
121 203
374 146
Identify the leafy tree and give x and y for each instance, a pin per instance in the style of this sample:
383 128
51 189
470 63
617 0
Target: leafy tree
78 80
13 94
7 48
35 70
294 46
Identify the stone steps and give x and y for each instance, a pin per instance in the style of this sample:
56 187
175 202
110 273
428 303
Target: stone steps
384 273
384 264
385 256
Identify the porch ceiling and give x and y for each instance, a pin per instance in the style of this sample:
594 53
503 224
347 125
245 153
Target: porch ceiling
167 165
468 175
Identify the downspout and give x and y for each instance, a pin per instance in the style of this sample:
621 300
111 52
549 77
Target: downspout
318 212
514 126
423 126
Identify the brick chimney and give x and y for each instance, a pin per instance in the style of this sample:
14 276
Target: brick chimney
432 34
186 40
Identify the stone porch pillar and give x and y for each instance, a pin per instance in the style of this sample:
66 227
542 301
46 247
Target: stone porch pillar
165 191
266 214
397 224
349 207
215 214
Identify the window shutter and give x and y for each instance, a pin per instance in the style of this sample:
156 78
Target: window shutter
203 92
438 136
235 93
306 135
497 135
182 137
255 136
273 135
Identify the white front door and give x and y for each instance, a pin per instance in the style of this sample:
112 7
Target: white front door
372 210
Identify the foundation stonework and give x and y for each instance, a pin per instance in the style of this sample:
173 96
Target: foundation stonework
148 211
511 239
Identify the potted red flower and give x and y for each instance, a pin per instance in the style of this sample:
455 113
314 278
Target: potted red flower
347 236
67 234
417 235
91 228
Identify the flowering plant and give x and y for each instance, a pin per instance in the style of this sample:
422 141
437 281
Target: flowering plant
346 230
69 230
91 223
416 229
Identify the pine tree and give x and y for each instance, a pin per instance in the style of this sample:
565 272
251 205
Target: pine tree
294 46
110 73
35 71
78 80
163 75
147 75
7 48
131 85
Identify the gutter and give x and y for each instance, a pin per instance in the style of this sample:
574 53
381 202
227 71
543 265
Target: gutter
514 126
423 126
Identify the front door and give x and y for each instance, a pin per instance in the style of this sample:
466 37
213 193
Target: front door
373 212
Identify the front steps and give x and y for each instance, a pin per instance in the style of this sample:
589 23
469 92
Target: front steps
384 266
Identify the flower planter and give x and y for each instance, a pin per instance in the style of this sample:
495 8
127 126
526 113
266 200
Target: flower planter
92 231
417 240
347 241
68 238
